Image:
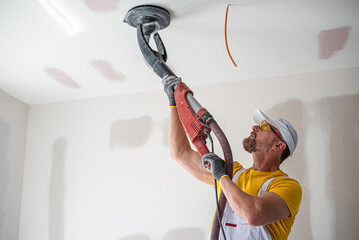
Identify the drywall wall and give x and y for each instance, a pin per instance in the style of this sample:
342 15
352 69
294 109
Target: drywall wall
13 123
100 169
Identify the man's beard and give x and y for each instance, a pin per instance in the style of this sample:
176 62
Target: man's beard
250 144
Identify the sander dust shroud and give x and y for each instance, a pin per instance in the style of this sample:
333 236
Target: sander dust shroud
196 120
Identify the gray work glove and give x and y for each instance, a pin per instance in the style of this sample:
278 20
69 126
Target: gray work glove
215 165
169 82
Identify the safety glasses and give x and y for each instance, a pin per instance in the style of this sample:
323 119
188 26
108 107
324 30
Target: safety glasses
265 126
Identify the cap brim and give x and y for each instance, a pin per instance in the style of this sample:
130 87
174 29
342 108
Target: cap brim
259 117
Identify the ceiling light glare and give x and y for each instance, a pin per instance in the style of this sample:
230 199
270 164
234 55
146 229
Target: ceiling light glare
63 15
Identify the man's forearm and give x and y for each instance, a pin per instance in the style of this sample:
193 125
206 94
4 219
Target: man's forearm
242 203
177 138
254 210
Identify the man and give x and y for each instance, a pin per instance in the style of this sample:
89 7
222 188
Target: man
262 201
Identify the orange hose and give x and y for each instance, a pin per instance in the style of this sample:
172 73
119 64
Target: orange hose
225 36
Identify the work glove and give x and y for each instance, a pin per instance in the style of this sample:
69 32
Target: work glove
169 82
215 165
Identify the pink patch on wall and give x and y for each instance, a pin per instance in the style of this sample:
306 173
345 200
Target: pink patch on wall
61 77
107 70
101 5
332 40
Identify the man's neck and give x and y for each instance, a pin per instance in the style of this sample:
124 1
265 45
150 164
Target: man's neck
264 162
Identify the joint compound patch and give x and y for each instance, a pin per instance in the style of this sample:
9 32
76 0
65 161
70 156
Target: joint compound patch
164 128
108 71
332 40
57 191
132 133
101 5
61 77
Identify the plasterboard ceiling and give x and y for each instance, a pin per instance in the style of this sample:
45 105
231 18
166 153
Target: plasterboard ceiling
61 50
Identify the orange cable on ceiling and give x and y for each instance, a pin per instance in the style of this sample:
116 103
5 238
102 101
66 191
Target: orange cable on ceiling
225 36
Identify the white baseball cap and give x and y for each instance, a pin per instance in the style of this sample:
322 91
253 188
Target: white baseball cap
286 129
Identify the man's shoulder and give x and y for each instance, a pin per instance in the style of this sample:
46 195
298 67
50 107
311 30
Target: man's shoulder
284 178
286 184
236 166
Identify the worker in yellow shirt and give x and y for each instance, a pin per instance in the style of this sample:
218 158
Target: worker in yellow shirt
262 201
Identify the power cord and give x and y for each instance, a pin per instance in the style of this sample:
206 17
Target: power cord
215 190
218 211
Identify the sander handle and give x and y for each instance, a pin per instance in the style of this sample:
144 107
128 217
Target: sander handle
195 119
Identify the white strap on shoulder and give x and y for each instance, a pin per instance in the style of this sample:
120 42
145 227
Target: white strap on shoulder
265 185
236 175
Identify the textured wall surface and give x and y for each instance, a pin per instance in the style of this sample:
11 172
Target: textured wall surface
100 168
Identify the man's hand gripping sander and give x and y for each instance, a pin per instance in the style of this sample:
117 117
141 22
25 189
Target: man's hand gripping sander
196 120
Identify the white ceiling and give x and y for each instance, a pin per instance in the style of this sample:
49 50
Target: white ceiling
86 44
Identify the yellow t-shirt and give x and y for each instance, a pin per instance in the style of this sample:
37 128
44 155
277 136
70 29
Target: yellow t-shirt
250 181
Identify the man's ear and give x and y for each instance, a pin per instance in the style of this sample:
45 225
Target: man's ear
279 146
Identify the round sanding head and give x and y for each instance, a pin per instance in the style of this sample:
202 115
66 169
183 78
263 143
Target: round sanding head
148 13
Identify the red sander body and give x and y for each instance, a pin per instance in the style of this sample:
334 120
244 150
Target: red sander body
196 130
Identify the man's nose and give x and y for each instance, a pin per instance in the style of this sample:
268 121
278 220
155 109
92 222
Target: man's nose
255 128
